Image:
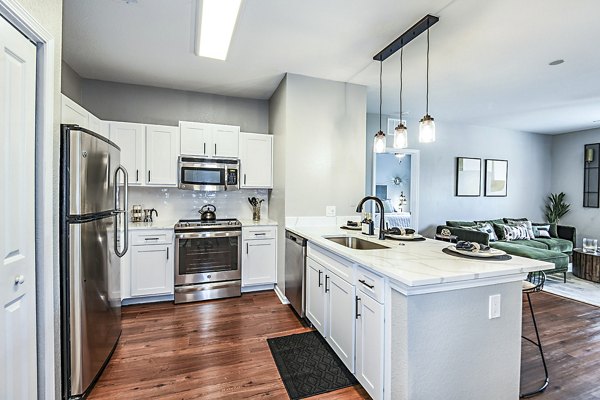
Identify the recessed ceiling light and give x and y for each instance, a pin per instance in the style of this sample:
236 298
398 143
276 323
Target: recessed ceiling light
215 22
556 62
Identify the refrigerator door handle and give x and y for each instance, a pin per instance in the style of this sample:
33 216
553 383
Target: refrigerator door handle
123 211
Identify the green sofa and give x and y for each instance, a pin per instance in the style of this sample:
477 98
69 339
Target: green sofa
556 249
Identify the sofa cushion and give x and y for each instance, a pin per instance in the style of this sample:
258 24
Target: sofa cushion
560 260
553 228
531 243
556 244
541 231
490 221
460 223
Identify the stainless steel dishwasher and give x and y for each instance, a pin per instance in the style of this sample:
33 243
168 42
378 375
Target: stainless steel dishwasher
295 262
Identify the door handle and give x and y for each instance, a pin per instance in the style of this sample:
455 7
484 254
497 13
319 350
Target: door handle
326 287
123 212
247 248
356 304
320 272
366 284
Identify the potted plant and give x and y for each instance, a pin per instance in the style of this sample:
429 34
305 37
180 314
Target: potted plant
556 208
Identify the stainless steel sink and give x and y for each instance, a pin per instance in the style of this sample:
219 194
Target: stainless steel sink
355 243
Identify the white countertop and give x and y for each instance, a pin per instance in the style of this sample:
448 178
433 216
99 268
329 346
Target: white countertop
262 222
157 224
417 264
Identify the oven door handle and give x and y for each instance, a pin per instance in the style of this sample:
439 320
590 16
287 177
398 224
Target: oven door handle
206 235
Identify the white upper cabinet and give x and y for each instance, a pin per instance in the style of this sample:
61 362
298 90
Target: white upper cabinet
211 140
95 124
256 160
73 113
130 138
162 144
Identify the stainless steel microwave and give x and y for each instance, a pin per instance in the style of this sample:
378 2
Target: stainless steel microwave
209 174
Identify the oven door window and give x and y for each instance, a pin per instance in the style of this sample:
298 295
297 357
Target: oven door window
203 176
206 255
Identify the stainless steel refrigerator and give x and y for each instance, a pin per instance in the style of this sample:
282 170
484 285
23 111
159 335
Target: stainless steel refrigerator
93 237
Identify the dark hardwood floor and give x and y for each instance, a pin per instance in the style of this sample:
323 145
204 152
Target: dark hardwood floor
218 350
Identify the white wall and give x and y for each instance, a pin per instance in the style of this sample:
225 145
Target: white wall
529 165
174 204
114 101
71 83
567 176
318 128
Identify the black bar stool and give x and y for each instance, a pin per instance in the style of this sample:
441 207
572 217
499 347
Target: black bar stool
535 283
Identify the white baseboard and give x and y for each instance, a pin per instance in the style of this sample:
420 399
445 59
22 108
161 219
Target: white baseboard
281 296
257 288
148 299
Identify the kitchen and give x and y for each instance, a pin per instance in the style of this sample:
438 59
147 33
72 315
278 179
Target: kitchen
315 179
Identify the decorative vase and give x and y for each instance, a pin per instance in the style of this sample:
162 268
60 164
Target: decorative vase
256 213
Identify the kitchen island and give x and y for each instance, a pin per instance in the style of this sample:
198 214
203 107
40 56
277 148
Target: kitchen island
412 322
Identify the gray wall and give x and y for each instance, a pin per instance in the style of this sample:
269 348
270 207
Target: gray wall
71 83
567 176
318 127
145 104
529 166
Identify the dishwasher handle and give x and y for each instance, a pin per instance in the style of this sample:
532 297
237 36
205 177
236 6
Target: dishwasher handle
299 240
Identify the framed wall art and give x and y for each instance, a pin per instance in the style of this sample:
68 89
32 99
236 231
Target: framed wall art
496 177
468 176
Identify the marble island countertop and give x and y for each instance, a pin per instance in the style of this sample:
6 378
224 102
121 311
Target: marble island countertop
420 263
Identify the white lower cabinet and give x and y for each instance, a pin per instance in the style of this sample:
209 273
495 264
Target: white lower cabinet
151 263
330 308
259 256
369 344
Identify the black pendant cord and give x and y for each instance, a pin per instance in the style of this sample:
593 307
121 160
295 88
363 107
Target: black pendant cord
380 91
401 56
427 92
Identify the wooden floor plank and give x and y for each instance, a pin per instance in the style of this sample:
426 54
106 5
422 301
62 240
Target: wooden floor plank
218 350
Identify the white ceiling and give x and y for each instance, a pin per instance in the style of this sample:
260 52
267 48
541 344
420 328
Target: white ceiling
489 59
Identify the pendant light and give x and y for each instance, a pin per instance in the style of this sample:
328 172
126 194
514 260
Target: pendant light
401 133
426 125
379 141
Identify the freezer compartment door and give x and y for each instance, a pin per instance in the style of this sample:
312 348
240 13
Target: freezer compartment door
95 300
92 163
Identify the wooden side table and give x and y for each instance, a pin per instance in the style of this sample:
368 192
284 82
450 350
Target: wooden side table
586 265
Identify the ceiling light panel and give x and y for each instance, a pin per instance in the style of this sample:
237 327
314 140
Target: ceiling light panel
217 20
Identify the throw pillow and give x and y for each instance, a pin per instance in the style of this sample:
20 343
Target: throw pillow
489 229
516 232
553 228
499 230
518 221
542 231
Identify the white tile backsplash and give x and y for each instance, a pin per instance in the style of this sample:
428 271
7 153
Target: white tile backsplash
175 204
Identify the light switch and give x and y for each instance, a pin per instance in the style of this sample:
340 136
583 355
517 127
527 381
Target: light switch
330 211
494 306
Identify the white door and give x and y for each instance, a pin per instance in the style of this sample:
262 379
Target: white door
161 155
196 138
130 138
225 141
152 270
256 159
18 365
73 113
340 318
258 262
315 295
369 345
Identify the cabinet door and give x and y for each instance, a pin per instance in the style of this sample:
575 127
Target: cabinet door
152 270
315 295
256 160
130 138
95 124
369 345
73 113
258 262
196 138
340 318
225 141
161 155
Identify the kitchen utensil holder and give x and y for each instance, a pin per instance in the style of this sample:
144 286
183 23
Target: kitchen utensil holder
256 213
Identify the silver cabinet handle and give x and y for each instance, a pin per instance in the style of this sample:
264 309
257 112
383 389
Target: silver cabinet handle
19 280
326 287
356 304
320 272
154 238
148 176
244 179
260 234
215 149
137 175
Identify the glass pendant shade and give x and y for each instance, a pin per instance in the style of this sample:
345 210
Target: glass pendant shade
400 137
379 143
426 129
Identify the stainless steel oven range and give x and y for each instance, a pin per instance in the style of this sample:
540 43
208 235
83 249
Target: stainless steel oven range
207 259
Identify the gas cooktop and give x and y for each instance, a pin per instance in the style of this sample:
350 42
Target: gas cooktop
188 224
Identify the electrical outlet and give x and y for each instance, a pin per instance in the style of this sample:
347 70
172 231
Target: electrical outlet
494 306
330 211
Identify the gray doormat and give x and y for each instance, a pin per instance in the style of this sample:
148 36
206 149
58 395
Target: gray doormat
308 366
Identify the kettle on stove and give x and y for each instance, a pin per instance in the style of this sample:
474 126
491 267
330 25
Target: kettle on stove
207 213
